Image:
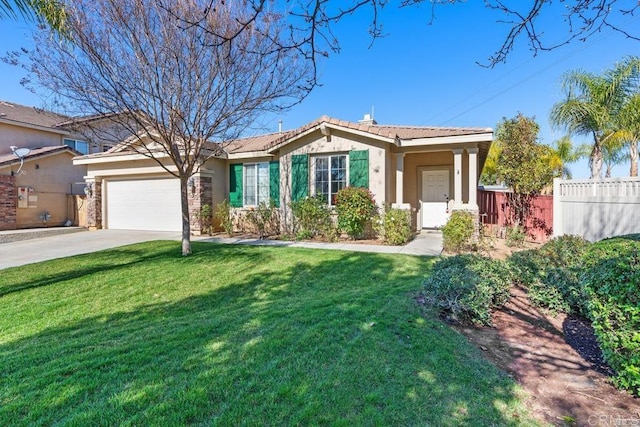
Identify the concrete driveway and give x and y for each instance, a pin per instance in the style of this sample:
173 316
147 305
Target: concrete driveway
51 246
63 245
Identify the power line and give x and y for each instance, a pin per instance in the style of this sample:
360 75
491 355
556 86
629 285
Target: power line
531 76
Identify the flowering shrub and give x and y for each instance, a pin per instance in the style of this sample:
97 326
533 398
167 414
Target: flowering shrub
394 226
313 218
261 217
223 214
458 231
356 207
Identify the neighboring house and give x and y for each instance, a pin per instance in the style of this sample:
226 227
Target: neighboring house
429 170
36 191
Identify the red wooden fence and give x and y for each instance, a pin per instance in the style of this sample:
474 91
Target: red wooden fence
494 213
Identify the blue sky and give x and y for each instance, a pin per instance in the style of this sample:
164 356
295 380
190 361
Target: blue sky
421 74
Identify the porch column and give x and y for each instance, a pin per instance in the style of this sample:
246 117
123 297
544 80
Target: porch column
457 173
399 178
473 177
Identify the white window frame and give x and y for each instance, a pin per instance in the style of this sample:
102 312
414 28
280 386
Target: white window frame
73 143
256 185
328 157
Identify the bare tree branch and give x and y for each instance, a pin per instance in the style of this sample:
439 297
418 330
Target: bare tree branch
174 87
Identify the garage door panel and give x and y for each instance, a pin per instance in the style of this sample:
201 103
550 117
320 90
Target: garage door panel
144 204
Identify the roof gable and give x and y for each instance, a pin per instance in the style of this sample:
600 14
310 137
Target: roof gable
388 133
36 153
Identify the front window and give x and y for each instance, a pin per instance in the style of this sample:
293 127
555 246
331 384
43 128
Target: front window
256 183
80 146
330 176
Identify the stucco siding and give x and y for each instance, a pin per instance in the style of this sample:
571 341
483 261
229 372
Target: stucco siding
50 180
23 137
338 142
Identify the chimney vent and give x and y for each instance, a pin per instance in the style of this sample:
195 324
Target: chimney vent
368 120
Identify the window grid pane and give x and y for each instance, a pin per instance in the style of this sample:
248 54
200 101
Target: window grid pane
330 176
338 175
250 185
322 178
263 182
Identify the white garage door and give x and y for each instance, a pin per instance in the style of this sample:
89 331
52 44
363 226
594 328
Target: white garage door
143 204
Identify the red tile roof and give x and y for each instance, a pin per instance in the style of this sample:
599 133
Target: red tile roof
30 115
10 158
264 142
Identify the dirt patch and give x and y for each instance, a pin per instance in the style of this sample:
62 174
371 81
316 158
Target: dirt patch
558 361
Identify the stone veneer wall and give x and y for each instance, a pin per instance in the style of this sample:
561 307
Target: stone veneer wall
8 202
201 194
94 207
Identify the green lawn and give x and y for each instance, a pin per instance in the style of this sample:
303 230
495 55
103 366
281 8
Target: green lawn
236 335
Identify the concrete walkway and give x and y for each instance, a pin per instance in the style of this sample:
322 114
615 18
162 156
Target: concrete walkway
46 245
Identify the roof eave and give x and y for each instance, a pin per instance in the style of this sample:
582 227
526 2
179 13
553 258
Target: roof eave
453 139
35 127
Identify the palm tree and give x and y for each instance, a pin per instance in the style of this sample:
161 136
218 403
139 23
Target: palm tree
562 153
630 121
592 106
45 11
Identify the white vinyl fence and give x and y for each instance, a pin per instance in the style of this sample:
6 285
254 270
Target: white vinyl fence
596 209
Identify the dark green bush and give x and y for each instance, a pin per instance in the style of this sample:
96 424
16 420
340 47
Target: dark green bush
457 233
611 280
550 274
313 216
356 208
467 287
515 237
394 226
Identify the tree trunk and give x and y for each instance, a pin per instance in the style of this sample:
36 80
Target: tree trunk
595 160
633 154
186 228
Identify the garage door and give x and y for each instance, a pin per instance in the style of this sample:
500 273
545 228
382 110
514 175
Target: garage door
143 204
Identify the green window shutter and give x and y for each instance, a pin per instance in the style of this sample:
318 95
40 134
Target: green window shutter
235 185
299 177
359 168
274 182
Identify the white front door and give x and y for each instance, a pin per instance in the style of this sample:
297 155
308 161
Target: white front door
435 198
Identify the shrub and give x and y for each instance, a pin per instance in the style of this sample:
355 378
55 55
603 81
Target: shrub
611 280
467 287
551 274
223 214
204 217
261 216
458 231
394 226
313 216
515 237
356 207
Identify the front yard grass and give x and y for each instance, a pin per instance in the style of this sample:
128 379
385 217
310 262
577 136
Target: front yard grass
237 335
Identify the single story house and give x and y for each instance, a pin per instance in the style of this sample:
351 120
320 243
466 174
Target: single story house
429 170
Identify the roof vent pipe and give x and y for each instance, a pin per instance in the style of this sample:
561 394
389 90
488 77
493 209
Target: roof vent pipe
279 126
368 120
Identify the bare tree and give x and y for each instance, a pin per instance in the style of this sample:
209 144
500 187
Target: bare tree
173 86
311 23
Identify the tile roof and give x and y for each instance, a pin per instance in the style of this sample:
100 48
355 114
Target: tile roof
264 142
10 158
30 115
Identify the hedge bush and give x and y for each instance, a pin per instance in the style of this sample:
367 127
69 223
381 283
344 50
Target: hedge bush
466 288
551 274
313 216
611 280
458 231
394 226
356 208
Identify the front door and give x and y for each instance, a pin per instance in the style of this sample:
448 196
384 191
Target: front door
435 198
